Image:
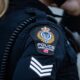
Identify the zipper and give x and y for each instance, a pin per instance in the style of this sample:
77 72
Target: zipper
10 45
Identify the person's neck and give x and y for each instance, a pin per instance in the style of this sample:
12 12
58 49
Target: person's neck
44 2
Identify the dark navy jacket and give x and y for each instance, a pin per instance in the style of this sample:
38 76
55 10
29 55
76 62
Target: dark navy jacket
31 58
72 22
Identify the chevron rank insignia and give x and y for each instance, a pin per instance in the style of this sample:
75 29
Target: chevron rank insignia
45 39
39 69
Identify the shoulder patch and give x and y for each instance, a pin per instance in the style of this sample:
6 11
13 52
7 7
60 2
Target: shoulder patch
45 35
45 39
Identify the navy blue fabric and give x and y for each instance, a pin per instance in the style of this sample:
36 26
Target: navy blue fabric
20 57
72 22
63 61
8 23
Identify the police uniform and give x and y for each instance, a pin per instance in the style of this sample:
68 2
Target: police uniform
39 53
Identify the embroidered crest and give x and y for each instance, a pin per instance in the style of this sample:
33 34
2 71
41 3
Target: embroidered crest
46 39
45 35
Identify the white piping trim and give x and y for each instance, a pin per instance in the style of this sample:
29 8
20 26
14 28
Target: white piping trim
47 66
39 68
39 74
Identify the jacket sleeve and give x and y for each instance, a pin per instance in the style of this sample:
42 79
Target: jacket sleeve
34 67
68 70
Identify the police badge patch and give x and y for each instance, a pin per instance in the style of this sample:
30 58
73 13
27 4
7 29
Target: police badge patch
45 35
45 39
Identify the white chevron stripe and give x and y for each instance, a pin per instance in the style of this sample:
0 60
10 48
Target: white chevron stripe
43 67
41 70
39 74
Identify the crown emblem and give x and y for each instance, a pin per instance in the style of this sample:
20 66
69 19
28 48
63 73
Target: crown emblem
45 29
